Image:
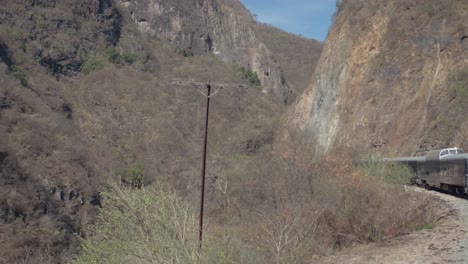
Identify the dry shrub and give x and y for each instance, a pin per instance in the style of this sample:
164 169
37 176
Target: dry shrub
371 208
153 225
311 207
288 234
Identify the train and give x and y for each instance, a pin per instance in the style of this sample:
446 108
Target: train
444 169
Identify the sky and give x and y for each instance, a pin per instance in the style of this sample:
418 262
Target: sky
309 18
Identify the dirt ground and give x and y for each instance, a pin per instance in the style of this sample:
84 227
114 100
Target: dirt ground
447 242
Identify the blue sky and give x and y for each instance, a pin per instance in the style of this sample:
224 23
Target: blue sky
309 18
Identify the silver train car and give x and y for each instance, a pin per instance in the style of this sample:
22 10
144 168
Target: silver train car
445 169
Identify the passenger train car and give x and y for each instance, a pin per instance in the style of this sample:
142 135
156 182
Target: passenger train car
445 169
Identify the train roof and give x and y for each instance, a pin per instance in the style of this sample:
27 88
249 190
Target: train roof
446 154
443 153
407 159
455 157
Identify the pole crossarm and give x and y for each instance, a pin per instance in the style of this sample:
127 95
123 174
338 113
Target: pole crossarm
182 82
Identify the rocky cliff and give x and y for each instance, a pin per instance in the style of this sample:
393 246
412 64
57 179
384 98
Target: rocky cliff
220 27
297 55
393 78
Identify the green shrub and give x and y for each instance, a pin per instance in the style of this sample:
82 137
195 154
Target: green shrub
250 76
20 74
16 35
141 226
129 57
91 64
460 88
388 172
427 226
134 177
184 52
458 85
113 55
153 225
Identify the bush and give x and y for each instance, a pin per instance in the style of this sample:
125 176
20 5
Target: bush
134 177
152 225
250 76
371 200
129 57
460 89
141 226
91 64
311 207
16 35
459 85
388 172
113 55
20 74
184 52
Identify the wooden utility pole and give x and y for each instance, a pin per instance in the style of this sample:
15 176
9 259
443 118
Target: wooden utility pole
208 95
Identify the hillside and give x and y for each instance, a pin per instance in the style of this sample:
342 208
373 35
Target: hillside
298 56
221 27
86 100
392 79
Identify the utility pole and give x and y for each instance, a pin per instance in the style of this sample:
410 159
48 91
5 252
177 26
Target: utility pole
208 95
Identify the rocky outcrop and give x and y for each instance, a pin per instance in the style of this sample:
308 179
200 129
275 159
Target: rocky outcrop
61 35
297 55
224 28
393 78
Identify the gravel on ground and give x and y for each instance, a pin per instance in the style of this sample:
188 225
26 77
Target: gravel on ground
447 242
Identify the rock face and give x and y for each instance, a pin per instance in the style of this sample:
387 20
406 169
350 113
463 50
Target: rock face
60 34
393 78
220 27
298 56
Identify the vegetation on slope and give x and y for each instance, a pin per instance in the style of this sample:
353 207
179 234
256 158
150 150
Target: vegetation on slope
289 212
94 112
153 225
86 100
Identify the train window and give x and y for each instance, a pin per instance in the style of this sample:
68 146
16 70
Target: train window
450 151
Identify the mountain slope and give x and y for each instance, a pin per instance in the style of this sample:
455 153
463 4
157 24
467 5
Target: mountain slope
221 27
86 100
298 56
393 78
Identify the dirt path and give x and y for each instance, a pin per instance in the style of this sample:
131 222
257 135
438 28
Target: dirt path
447 242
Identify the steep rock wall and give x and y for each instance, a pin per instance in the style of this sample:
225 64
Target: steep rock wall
393 78
224 28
